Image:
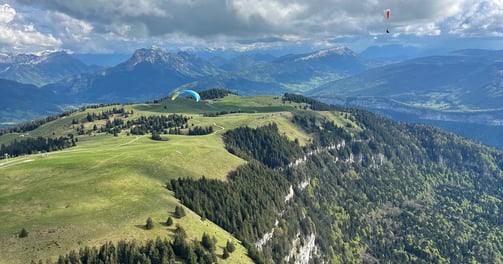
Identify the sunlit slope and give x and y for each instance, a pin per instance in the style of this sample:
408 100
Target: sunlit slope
101 190
106 187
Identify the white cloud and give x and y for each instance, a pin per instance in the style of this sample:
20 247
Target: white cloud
7 13
103 24
22 36
484 17
428 29
273 12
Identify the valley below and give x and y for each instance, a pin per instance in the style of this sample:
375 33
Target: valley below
485 126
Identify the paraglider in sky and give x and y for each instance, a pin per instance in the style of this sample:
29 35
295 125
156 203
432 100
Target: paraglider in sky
387 14
189 92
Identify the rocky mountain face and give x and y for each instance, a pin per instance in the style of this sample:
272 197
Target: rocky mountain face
149 74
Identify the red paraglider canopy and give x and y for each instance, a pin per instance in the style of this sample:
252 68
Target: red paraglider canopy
387 13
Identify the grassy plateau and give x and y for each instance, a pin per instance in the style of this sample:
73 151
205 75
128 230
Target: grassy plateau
106 187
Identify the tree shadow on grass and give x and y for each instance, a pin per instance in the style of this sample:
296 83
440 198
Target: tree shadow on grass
166 225
143 227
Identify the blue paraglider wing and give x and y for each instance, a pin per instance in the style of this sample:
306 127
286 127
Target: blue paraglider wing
189 92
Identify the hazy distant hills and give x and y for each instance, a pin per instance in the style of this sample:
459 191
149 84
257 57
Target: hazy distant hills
461 81
396 53
25 101
244 61
295 72
461 92
41 69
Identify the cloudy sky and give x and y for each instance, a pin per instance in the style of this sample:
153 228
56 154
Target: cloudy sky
121 26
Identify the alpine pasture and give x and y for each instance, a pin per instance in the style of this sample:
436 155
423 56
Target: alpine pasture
106 187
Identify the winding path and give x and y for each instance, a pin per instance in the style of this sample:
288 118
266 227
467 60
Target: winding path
221 127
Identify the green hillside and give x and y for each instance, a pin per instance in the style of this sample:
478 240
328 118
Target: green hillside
106 187
285 178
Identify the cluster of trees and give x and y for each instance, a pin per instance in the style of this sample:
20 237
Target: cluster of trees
215 114
158 124
264 144
32 125
313 104
325 132
105 115
151 251
214 93
158 251
239 206
35 145
197 131
113 125
171 124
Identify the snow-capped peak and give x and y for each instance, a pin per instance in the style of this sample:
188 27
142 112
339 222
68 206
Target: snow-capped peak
30 58
341 51
155 55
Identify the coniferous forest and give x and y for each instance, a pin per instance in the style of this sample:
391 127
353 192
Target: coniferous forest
390 192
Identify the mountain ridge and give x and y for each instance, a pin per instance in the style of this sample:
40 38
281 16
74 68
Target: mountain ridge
146 75
293 72
353 185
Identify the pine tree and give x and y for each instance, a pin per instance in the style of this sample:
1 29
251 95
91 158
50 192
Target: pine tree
169 222
226 254
156 136
179 212
23 233
150 224
230 246
208 243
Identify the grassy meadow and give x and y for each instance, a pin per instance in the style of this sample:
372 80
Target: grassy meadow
106 187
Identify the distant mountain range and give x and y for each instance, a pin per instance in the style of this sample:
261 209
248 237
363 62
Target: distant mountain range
147 75
153 73
42 68
461 87
289 73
